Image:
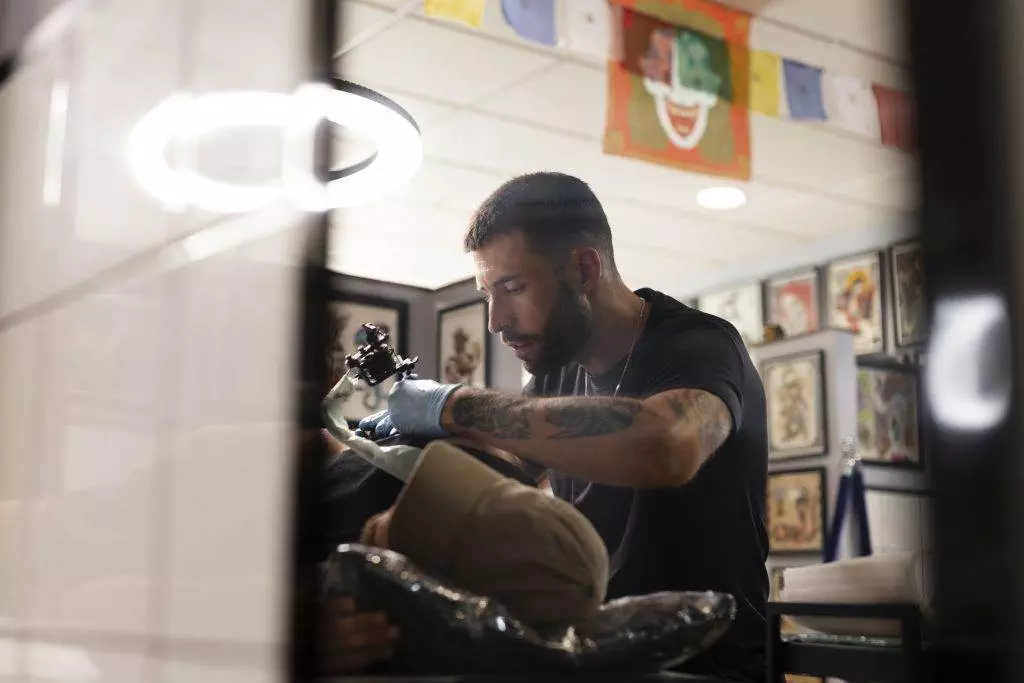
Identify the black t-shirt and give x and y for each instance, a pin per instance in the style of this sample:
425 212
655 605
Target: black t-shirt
709 534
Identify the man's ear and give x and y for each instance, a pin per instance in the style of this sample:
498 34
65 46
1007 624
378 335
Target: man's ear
588 261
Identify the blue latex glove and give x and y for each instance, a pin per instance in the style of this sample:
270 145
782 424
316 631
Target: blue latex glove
415 406
379 425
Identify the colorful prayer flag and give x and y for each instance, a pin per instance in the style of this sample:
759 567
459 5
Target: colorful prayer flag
467 11
765 82
803 91
679 94
531 19
587 27
852 105
896 117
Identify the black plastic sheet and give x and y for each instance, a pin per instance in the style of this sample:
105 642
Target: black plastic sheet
449 631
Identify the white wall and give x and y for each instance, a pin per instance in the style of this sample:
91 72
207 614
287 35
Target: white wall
145 399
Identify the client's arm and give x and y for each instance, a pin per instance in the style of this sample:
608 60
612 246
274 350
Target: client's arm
351 641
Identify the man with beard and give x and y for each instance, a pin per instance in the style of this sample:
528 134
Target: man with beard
646 414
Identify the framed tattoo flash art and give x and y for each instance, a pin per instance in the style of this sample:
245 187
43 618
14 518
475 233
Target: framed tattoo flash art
888 426
795 391
347 314
796 511
462 345
742 307
854 301
794 302
906 261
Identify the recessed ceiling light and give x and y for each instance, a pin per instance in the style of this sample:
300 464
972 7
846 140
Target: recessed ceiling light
721 198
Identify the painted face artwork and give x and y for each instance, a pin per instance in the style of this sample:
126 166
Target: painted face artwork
678 75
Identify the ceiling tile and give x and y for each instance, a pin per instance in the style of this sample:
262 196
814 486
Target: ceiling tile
480 141
356 17
570 97
427 57
813 155
895 190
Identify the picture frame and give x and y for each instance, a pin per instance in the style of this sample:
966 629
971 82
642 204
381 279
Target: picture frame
743 307
346 315
793 301
797 405
910 309
854 301
796 517
463 344
889 415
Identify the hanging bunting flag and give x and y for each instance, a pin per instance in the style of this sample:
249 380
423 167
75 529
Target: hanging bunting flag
896 117
532 19
765 82
587 27
803 91
466 11
679 94
851 105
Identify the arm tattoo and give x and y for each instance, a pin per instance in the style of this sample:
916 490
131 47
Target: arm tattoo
676 404
501 416
713 419
594 417
508 417
714 423
714 430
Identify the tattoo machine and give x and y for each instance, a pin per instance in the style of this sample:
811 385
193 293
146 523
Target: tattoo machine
373 362
376 360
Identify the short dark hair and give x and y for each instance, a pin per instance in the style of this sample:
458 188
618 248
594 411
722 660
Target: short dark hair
555 212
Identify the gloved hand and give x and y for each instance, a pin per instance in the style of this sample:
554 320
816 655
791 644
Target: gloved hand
379 425
415 406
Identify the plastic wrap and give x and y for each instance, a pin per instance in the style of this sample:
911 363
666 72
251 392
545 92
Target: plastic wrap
449 631
398 460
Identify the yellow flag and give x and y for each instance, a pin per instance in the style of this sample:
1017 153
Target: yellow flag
467 11
765 82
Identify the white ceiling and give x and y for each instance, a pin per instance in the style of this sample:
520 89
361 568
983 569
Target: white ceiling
491 105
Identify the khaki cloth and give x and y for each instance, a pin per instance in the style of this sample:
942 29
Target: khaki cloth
461 521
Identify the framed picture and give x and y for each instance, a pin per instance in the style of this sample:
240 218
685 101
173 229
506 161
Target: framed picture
794 302
794 388
906 261
462 353
741 307
854 301
888 420
796 511
347 314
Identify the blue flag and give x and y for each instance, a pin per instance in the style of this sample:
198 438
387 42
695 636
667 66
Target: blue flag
532 19
803 91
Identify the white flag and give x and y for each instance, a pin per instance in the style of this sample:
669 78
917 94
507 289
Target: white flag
587 27
852 106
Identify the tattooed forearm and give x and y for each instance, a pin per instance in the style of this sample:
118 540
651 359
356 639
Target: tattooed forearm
592 417
499 415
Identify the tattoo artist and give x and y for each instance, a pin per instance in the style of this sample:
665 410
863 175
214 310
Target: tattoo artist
646 414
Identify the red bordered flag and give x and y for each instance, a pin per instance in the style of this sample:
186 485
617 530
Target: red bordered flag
679 86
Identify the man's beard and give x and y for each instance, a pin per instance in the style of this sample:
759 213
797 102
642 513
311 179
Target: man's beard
567 330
